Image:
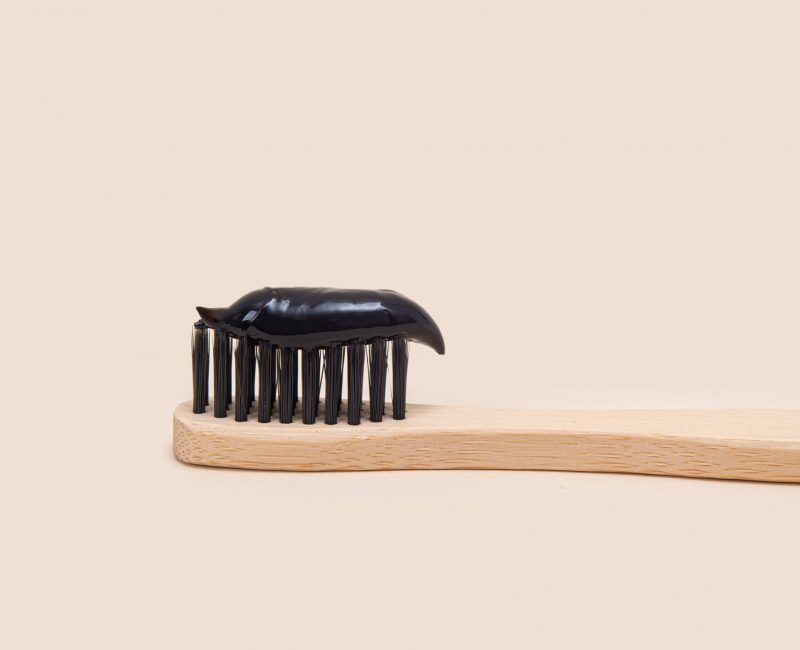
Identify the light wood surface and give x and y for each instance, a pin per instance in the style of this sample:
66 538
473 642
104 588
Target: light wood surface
758 445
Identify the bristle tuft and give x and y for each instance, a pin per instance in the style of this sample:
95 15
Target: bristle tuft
266 380
251 373
243 377
333 383
287 388
221 374
399 375
355 381
310 365
228 340
377 379
200 355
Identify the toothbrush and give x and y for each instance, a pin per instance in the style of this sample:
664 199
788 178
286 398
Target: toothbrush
279 345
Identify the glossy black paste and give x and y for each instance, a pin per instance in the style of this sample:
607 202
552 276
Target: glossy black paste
310 317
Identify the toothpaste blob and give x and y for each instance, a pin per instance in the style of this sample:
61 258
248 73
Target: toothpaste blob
308 317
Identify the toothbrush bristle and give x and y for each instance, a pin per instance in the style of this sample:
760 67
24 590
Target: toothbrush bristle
310 383
263 373
286 390
355 381
266 380
199 367
377 379
221 374
333 383
243 375
399 375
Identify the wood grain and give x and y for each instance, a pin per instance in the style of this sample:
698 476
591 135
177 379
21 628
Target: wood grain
756 445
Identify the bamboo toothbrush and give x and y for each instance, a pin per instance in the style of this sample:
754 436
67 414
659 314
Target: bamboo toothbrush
278 346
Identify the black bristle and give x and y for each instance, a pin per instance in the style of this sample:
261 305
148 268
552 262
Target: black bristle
220 386
355 381
310 382
229 367
199 367
207 367
251 379
275 369
377 379
242 379
275 378
266 380
318 380
399 375
295 379
296 363
340 383
333 382
287 385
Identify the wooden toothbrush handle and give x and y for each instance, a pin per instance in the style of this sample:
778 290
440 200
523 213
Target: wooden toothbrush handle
758 445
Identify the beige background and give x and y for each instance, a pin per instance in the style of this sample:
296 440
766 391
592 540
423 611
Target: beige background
598 202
